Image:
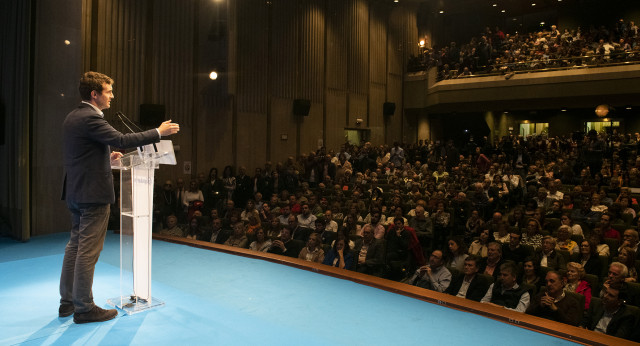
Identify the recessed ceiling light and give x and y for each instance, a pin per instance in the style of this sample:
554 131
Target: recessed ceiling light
533 4
629 108
563 110
494 5
441 12
541 23
503 11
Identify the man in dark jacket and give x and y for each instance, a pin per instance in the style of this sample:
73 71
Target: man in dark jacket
88 191
469 285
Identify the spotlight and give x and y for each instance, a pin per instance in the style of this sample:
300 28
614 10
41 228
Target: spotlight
441 12
213 75
67 42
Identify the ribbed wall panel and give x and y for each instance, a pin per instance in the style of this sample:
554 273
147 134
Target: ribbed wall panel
253 64
358 64
378 45
163 75
337 44
286 40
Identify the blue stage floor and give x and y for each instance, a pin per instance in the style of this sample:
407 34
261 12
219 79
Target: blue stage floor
214 298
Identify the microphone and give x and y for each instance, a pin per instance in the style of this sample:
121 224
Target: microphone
121 115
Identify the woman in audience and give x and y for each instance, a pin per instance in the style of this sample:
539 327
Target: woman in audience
532 236
531 273
313 252
564 242
627 256
194 231
502 235
229 181
479 246
273 232
576 283
589 258
262 243
340 255
598 238
455 254
250 210
566 220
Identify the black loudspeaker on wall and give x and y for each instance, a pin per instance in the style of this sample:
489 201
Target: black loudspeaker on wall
388 108
301 107
151 115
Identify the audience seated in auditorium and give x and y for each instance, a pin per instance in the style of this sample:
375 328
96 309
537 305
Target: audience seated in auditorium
172 227
262 243
369 253
313 252
575 282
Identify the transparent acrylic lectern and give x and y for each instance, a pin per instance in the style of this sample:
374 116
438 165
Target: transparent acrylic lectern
136 217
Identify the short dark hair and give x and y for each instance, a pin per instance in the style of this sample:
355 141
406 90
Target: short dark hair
91 81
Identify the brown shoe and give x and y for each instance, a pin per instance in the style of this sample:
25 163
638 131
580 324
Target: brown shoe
96 314
65 310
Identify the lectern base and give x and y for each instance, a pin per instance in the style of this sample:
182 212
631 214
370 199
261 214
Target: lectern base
132 305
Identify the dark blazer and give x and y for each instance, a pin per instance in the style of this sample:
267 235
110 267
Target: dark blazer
293 248
555 261
88 139
374 262
621 324
477 288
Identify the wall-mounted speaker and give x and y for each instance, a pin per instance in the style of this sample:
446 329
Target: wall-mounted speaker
388 108
301 107
152 115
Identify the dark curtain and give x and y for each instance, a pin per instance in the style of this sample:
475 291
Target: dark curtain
15 57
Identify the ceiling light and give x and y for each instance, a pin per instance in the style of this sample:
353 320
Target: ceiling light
213 75
533 4
494 5
441 12
503 11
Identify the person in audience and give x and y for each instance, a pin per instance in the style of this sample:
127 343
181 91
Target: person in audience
589 258
306 219
379 230
250 210
172 227
502 234
455 254
611 315
286 245
238 238
532 236
298 232
340 256
434 276
629 240
576 283
194 231
597 237
531 273
554 304
469 284
506 292
548 257
627 256
328 219
262 243
313 252
479 246
369 253
326 237
576 229
513 251
618 273
564 242
491 264
607 230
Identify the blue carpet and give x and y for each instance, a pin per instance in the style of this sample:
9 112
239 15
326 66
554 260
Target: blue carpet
219 299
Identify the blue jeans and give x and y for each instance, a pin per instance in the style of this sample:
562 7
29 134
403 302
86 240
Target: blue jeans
88 230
